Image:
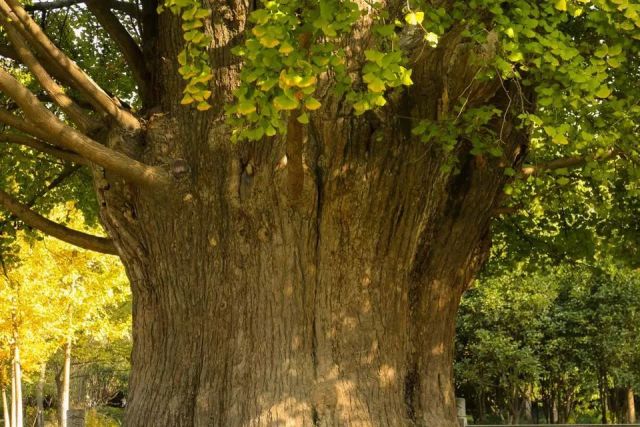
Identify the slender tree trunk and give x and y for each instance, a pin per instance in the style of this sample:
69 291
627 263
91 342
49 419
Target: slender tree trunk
63 389
482 403
40 396
631 406
18 375
14 409
603 397
5 408
16 388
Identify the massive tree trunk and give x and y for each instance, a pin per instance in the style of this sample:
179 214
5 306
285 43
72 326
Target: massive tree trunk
334 304
338 309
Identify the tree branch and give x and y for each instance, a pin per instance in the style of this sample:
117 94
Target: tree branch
128 8
66 137
127 45
18 123
83 82
37 221
75 113
44 148
566 162
52 68
66 173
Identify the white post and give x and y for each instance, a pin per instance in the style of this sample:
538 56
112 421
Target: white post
462 411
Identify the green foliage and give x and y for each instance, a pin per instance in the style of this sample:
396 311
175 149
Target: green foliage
549 334
500 329
104 418
578 58
194 59
284 57
470 125
586 217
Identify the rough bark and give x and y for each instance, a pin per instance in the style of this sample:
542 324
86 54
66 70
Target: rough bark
328 301
336 310
331 313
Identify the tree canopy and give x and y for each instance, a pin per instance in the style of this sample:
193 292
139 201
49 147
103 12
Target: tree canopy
568 68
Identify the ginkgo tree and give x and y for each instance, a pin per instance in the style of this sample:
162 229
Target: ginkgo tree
301 191
53 296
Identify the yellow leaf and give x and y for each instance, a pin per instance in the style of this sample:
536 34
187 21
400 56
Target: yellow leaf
312 104
406 77
307 81
376 86
285 48
283 102
269 42
203 106
414 18
187 99
303 118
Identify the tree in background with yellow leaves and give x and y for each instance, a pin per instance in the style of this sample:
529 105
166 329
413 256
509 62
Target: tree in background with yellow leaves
57 296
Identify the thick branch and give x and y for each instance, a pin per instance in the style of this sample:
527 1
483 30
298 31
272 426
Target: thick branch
127 45
75 113
69 138
18 123
128 8
37 221
82 81
566 162
44 148
52 68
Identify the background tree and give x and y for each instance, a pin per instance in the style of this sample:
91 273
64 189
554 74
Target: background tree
311 273
566 338
58 295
